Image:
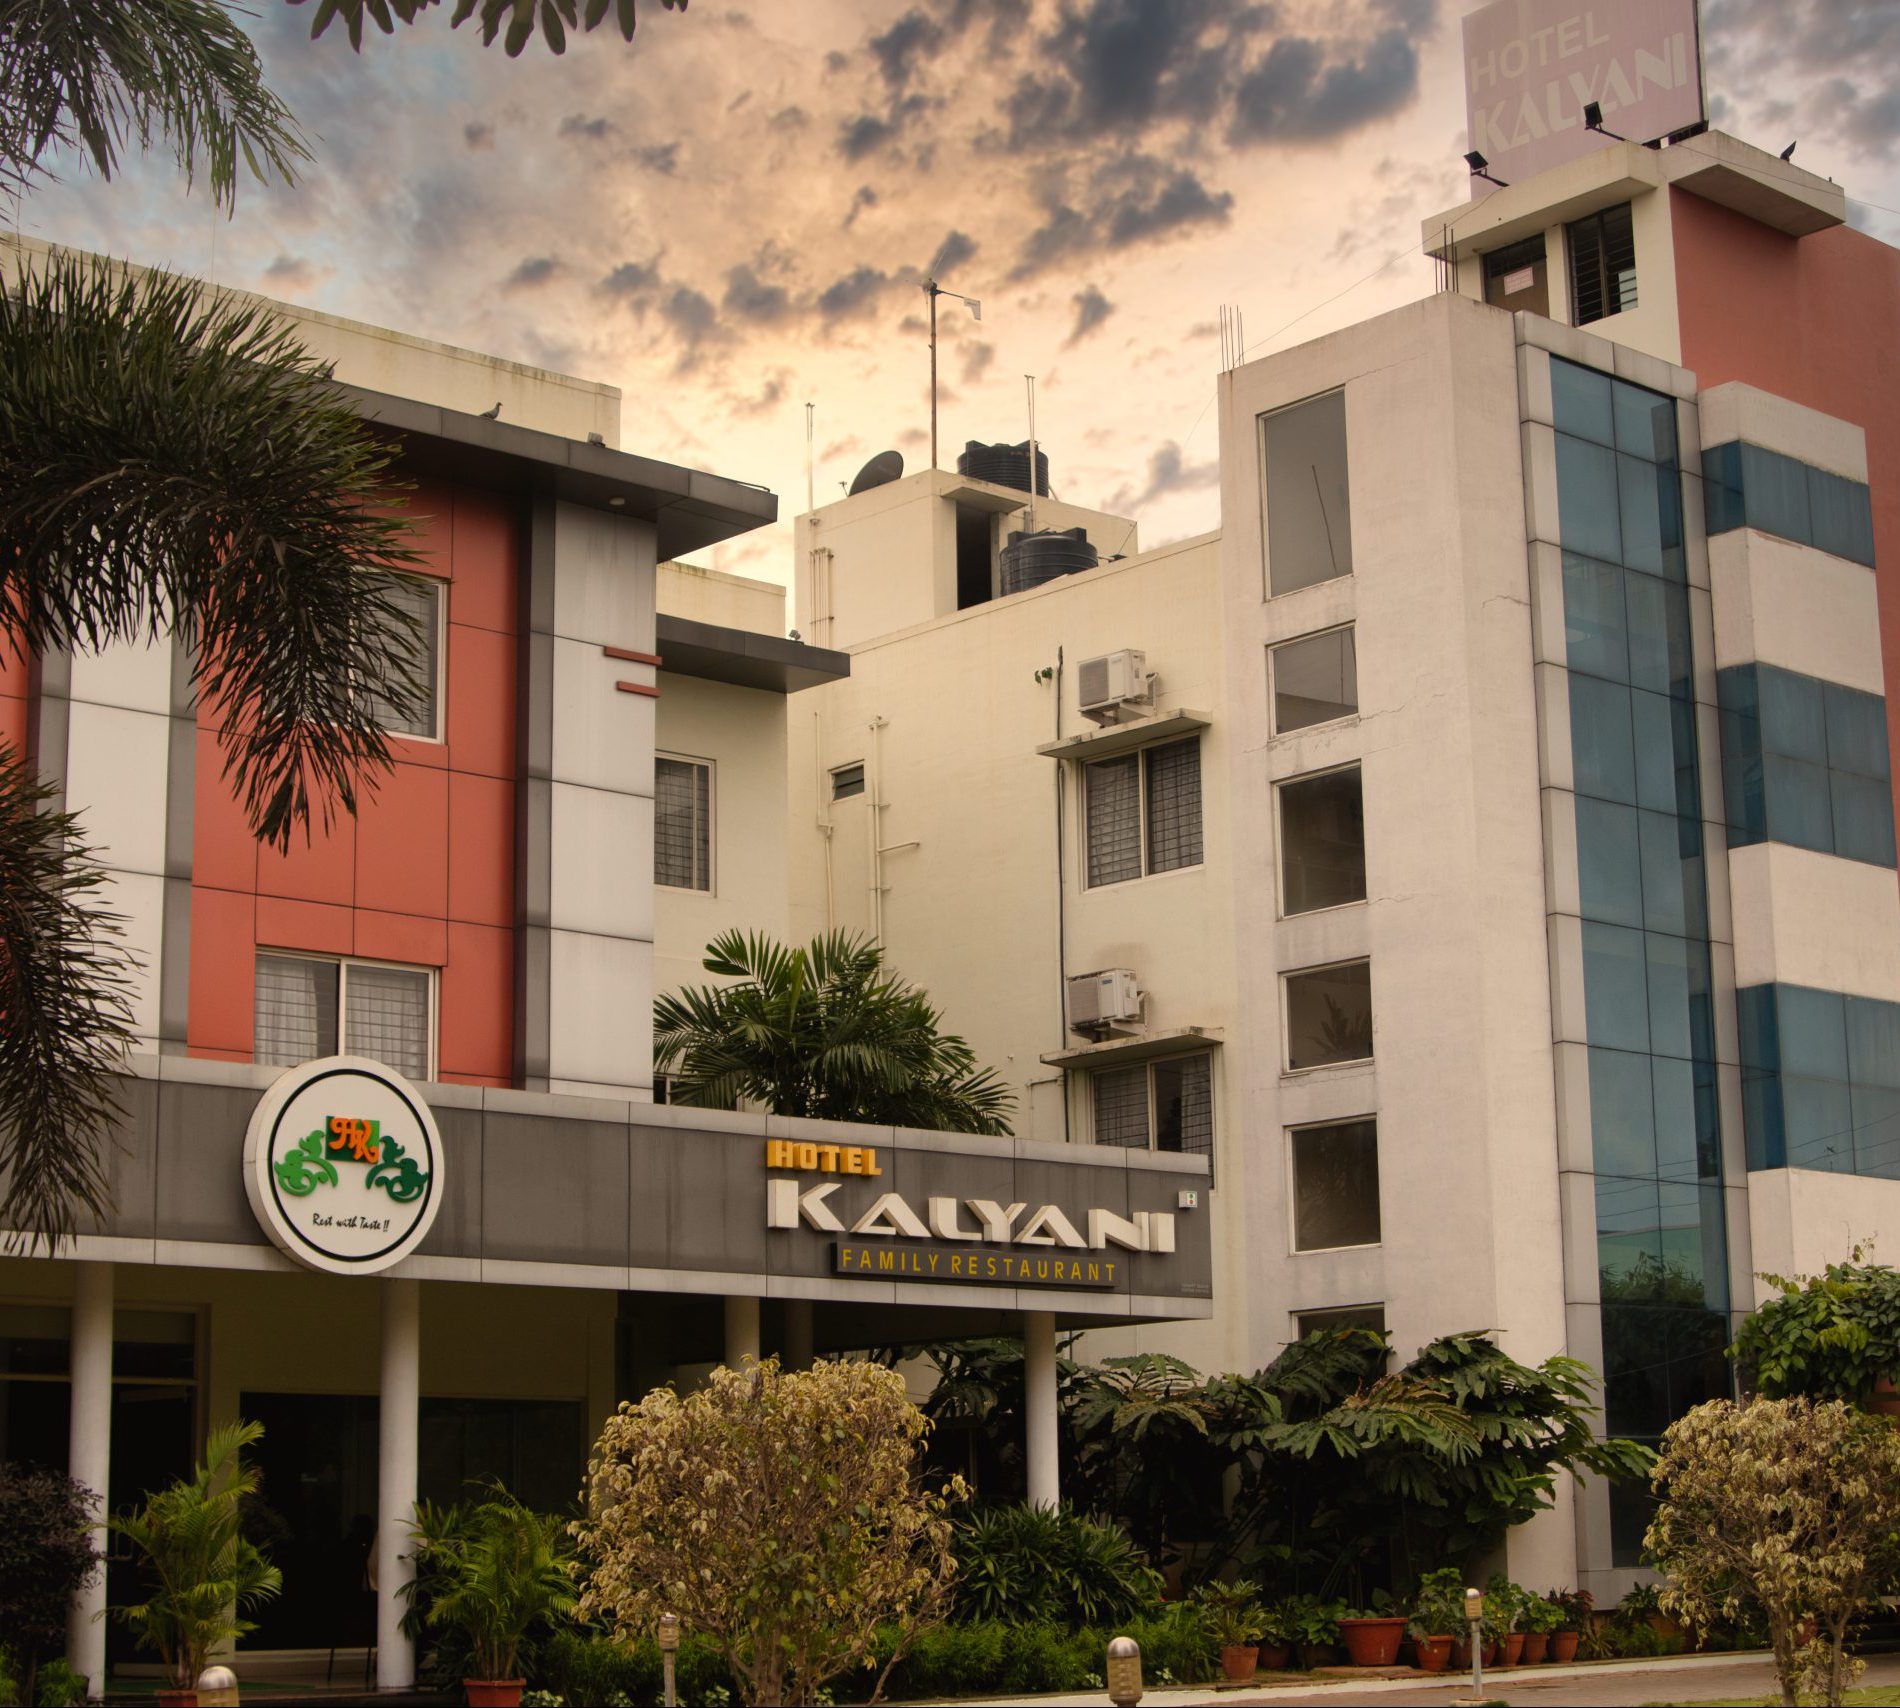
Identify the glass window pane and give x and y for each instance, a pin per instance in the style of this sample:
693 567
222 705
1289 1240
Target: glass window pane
1645 422
1601 742
1812 1031
1622 1114
1775 493
1113 791
1722 487
1678 976
1615 988
847 780
415 633
1580 401
1856 730
295 1010
1799 803
1688 1135
1315 680
1664 736
1609 869
1651 528
682 796
1744 786
1596 628
1819 1122
1674 898
1342 1316
1793 714
1174 804
1329 1015
1873 1041
1322 842
1309 522
1184 1105
1840 516
386 1017
1120 1100
1863 818
1587 504
1335 1186
1876 1130
1661 653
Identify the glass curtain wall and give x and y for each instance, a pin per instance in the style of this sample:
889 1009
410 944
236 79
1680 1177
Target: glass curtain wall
1655 1134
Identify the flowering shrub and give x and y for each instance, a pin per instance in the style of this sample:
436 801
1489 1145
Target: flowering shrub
778 1514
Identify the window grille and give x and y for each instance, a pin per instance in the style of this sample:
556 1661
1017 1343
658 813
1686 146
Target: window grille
682 824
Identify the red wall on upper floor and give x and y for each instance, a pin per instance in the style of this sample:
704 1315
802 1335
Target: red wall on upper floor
16 678
1815 319
425 873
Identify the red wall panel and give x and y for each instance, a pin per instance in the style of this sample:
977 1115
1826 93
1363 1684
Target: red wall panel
425 873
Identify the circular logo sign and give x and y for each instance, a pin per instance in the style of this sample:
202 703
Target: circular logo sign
343 1165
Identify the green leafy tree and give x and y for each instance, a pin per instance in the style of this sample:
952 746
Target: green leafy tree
1789 1506
780 1514
822 1031
46 1554
495 1577
1832 1336
201 1574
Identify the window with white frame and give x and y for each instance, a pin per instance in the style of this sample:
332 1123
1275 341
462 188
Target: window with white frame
1336 1317
1165 1105
682 823
1315 680
320 1005
1142 812
1335 1185
415 627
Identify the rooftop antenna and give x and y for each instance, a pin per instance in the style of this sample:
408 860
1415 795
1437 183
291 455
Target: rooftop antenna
933 290
810 469
1029 380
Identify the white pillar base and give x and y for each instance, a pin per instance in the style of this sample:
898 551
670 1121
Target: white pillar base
399 1419
90 1459
1043 1463
742 1330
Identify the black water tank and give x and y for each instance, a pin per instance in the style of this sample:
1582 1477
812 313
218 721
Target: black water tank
1005 465
1031 559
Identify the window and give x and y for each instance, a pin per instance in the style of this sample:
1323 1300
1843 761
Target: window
1341 1316
1602 265
847 780
1322 842
1315 680
1820 1080
418 626
308 1006
1744 486
1143 812
1335 1185
682 823
1309 523
1514 277
1165 1105
1329 1015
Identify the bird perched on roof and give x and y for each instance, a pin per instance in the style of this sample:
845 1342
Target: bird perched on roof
493 414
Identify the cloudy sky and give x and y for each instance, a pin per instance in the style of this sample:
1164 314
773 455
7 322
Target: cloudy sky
729 217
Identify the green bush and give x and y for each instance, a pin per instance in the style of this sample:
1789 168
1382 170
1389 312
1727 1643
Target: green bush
587 1667
1030 1565
1175 1640
952 1660
58 1686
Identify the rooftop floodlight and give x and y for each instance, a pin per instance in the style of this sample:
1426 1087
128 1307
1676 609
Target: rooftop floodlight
1593 120
1479 169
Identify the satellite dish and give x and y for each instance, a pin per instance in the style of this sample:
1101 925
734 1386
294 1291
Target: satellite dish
881 470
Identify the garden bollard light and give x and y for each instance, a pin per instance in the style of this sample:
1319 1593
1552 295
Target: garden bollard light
669 1643
218 1687
1474 1621
1124 1672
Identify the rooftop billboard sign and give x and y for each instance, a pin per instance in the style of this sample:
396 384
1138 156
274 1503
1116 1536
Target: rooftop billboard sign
1531 65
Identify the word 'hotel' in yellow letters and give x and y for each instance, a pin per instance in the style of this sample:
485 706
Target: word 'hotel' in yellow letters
823 1159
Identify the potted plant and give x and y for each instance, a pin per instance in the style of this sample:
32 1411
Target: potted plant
1236 1622
1503 1608
1276 1642
1576 1610
1540 1619
1372 1634
1313 1627
199 1573
1438 1615
506 1570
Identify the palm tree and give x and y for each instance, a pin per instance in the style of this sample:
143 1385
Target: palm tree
821 1031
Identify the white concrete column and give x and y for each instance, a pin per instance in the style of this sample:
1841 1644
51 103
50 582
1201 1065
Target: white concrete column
1039 1407
90 1459
400 1405
797 1334
742 1330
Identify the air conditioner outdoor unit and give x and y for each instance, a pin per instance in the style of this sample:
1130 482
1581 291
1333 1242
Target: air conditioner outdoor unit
1105 685
1104 1002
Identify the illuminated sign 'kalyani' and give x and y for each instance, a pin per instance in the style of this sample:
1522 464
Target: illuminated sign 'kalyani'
967 1221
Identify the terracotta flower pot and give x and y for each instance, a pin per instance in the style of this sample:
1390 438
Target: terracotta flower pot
1372 1642
1461 1654
1513 1648
177 1699
1238 1660
1434 1653
1275 1657
494 1692
1536 1647
1563 1646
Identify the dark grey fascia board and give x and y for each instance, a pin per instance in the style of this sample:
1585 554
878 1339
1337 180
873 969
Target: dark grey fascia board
690 508
745 658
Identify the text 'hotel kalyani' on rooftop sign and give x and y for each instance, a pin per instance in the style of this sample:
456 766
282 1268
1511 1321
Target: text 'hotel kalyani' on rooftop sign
1532 65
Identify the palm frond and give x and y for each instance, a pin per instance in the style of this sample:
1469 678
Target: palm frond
63 993
100 76
516 22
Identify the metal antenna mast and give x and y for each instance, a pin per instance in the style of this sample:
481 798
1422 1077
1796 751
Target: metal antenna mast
933 290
